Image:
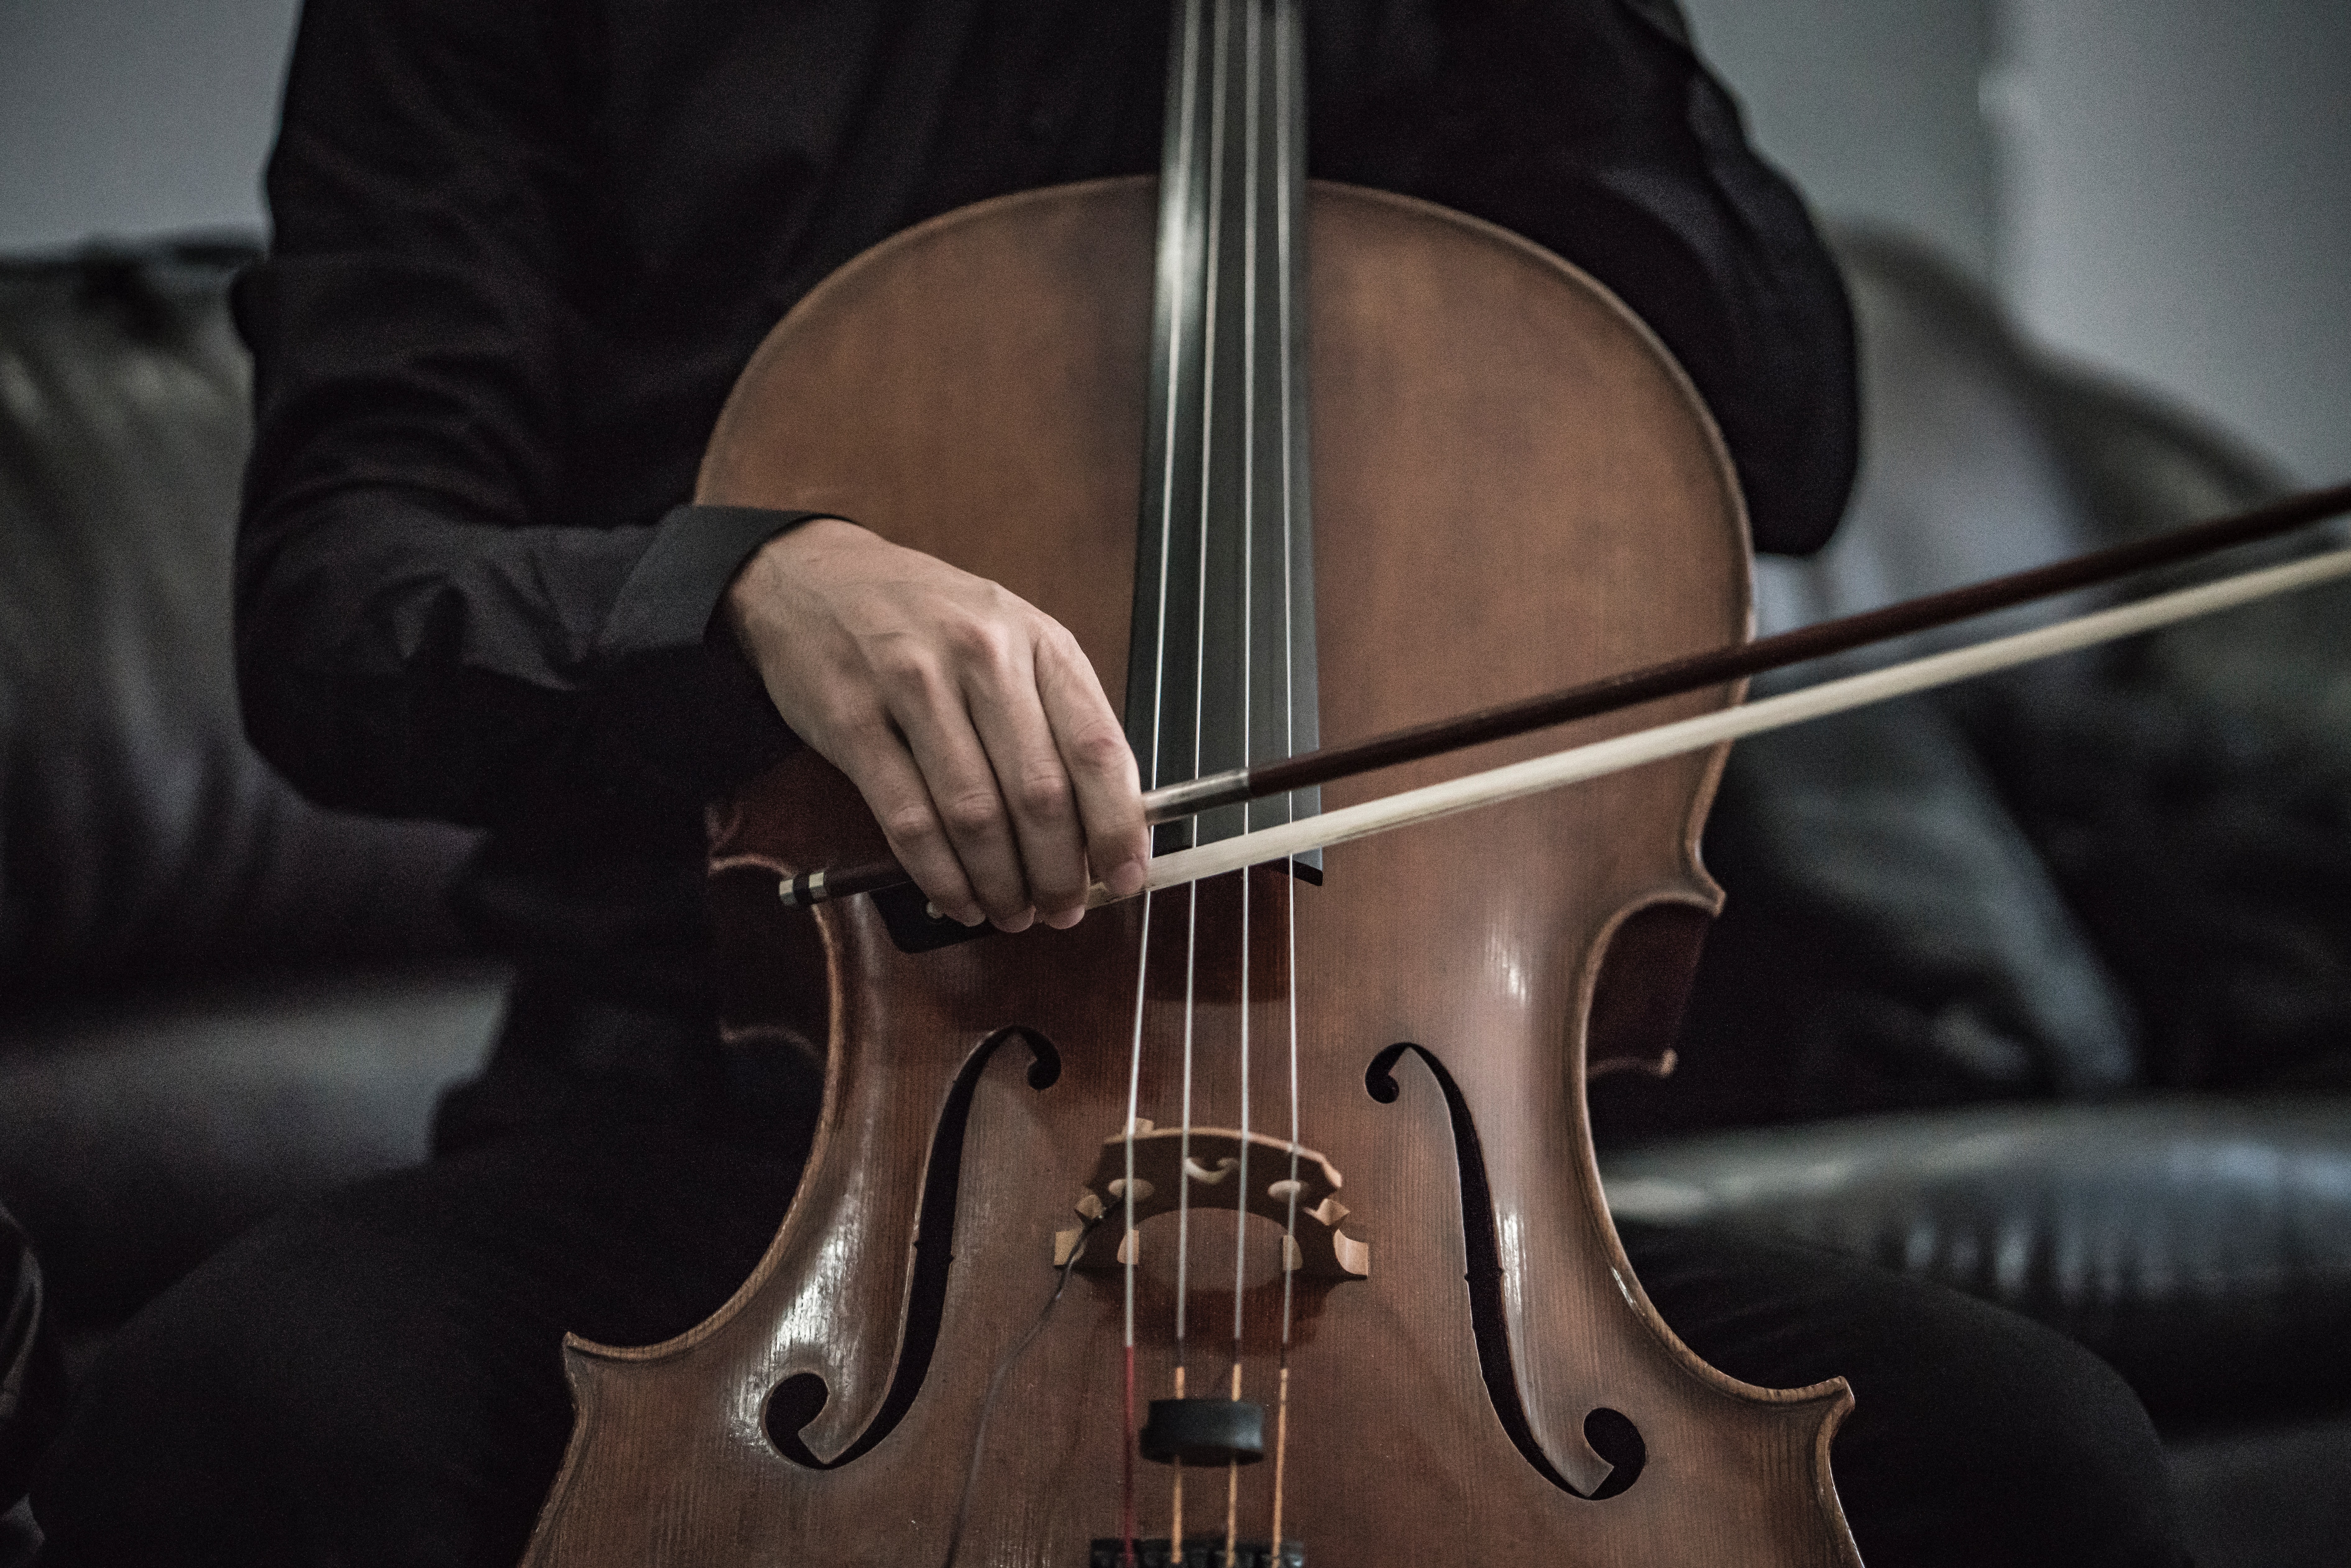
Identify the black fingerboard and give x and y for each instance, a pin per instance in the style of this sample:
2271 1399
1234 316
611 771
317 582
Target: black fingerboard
1221 671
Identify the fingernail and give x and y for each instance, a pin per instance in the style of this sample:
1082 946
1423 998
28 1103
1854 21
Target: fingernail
1021 922
1126 880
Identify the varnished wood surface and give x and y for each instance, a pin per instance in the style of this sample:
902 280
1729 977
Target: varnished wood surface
1515 491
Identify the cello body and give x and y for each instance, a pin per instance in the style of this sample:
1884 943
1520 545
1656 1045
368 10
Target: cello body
1516 489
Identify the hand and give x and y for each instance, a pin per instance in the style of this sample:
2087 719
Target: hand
970 720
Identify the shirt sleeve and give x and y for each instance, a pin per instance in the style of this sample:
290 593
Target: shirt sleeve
419 632
1779 354
1592 128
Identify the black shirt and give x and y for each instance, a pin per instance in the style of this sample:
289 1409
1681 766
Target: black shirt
523 247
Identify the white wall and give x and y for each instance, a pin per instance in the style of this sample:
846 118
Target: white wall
2161 188
135 117
2175 203
1870 105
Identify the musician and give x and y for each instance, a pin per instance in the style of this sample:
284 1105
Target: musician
521 252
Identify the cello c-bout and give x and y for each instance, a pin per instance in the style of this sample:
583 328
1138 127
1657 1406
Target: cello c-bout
1514 489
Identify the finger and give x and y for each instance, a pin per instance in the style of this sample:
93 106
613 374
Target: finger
928 707
1101 764
885 773
1010 716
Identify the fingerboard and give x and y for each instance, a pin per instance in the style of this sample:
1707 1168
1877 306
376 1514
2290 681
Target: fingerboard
1221 671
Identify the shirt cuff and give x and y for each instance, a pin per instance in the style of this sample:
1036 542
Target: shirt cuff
668 599
673 687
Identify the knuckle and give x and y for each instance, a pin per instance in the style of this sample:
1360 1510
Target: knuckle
912 823
971 812
983 639
858 723
903 666
1044 794
1098 748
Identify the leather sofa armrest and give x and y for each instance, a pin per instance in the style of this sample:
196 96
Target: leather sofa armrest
2201 1245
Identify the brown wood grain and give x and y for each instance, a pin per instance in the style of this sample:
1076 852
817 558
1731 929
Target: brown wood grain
1516 490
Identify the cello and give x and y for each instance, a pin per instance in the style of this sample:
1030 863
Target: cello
1069 1274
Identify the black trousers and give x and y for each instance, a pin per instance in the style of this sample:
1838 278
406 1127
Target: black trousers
372 1381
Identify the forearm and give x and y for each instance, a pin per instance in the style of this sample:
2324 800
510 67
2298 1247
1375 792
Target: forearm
396 658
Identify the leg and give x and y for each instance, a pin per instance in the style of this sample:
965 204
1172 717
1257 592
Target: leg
375 1379
1977 1437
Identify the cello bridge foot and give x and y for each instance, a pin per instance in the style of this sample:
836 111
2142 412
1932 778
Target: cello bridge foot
1199 1551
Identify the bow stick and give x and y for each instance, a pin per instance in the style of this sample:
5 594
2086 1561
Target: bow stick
1677 676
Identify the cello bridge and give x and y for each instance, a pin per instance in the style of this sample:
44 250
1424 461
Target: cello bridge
1200 1167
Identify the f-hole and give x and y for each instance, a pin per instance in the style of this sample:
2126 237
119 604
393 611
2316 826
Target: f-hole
792 1404
1611 1432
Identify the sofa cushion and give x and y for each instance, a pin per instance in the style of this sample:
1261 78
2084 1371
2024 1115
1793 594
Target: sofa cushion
142 840
2204 845
138 1138
2201 1244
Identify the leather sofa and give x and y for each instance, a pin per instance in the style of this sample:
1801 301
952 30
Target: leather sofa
215 997
2042 988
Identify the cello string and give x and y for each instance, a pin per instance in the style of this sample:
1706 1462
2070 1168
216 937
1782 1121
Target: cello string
1179 234
1249 128
1284 43
1132 1250
1253 55
1183 1207
1220 89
